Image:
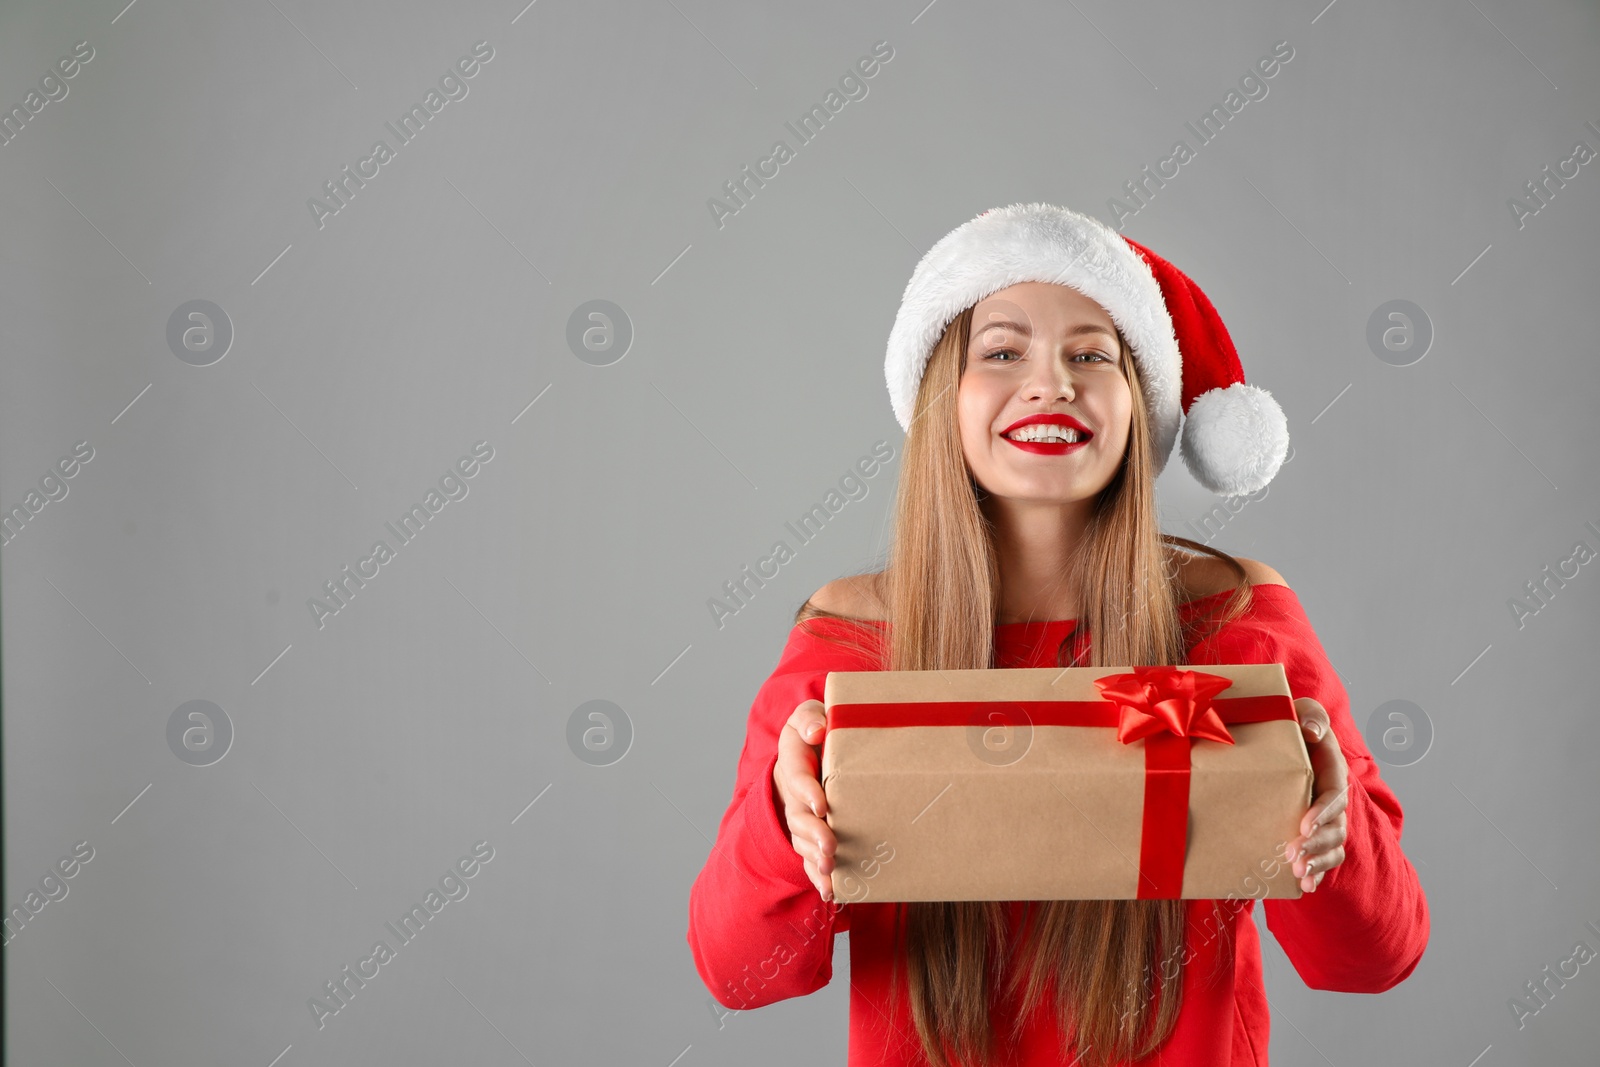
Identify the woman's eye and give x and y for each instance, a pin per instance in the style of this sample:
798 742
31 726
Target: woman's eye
1007 351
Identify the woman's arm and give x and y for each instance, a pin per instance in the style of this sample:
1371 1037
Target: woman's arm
1364 928
758 928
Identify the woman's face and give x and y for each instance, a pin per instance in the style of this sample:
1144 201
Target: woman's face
1043 349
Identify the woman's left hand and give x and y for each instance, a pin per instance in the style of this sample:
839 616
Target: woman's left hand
1320 846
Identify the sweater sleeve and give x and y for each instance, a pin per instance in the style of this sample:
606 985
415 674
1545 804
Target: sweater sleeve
1364 928
759 930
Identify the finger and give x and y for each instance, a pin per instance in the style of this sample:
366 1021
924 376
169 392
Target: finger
822 882
797 782
809 721
813 838
1312 868
1331 771
1320 854
1314 719
1330 804
804 736
807 851
1329 836
1331 783
810 731
799 762
1310 883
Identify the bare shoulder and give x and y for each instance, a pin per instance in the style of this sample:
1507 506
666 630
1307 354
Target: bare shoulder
856 596
1203 576
1259 573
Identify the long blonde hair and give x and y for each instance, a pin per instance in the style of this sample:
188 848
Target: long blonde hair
1116 965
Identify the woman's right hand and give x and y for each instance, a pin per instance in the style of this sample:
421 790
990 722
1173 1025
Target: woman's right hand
797 788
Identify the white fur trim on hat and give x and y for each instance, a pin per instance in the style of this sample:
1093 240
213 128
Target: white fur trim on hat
1039 243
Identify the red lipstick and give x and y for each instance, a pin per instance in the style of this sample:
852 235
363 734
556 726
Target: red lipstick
1050 448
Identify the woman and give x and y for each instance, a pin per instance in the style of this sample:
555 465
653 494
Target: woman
1035 547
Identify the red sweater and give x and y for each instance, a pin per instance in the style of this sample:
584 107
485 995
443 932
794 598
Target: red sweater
760 932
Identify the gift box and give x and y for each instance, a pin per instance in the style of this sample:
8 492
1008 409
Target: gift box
1064 783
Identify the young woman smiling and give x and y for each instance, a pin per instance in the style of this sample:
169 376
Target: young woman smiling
1035 547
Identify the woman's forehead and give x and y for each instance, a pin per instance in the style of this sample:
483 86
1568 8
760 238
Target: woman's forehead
1045 305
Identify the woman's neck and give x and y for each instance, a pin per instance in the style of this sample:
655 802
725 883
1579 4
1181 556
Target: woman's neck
1036 547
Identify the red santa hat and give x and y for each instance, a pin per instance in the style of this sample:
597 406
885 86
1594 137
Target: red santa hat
1234 436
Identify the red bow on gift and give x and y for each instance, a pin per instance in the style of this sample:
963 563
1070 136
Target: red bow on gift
1166 699
1168 706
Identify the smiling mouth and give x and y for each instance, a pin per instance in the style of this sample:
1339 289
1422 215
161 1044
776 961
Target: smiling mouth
1048 440
1044 434
1049 447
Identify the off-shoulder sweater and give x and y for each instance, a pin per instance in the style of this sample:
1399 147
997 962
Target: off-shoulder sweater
760 932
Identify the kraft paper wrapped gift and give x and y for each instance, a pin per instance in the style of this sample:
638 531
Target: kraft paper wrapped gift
1058 783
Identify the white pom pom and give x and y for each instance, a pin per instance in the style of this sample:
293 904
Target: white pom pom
1235 439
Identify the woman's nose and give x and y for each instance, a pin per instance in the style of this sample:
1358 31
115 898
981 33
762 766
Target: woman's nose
1052 379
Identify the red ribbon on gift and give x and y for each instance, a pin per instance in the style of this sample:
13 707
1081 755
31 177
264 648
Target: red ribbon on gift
1165 707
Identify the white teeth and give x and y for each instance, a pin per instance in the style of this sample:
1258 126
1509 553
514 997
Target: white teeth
1044 432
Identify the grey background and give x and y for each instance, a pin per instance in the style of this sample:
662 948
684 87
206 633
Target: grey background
434 710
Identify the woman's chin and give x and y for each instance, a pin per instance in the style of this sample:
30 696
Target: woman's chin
1043 495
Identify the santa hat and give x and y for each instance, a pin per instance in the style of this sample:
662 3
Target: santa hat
1235 436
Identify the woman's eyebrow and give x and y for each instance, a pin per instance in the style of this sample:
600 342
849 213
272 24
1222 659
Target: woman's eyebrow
1027 331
